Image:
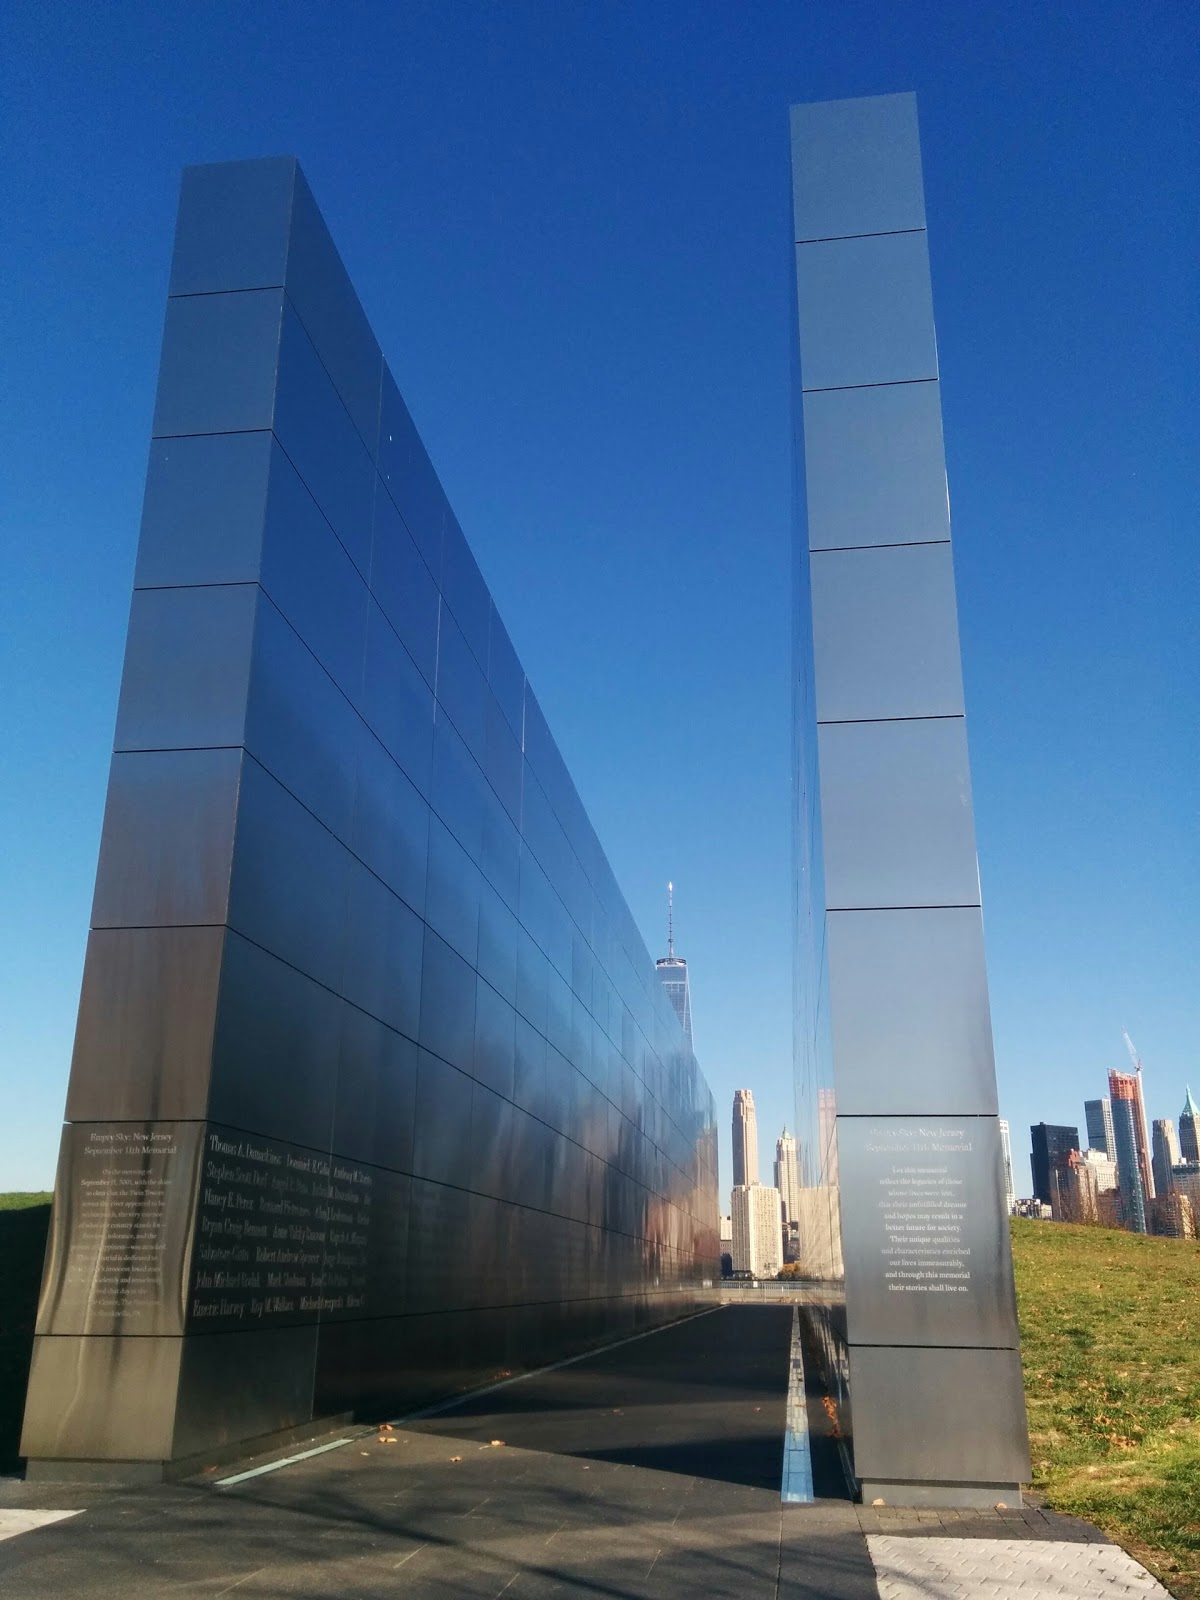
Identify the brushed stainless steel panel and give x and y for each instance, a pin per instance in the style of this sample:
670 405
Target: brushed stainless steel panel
441 1132
502 761
299 725
488 1167
101 1398
275 1049
404 587
856 167
410 480
866 311
288 886
874 466
440 1214
232 230
323 295
955 1416
464 590
167 843
383 952
241 1385
896 814
453 892
447 1003
909 1012
204 510
461 687
924 1231
147 1012
497 943
219 357
187 668
457 788
390 831
506 675
308 574
495 1040
529 1071
376 1092
322 443
885 634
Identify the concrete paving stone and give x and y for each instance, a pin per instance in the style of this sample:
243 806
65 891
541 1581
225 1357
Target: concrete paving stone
825 1565
1007 1569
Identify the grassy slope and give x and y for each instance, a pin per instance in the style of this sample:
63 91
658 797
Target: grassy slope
1110 1329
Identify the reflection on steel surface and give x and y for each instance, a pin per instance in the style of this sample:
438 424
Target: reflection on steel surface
357 955
893 1029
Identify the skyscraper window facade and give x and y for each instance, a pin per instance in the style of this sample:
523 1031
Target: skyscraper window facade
893 1048
1051 1146
1135 1201
787 1176
1134 1155
1189 1129
745 1139
673 975
1010 1193
757 1232
1165 1153
1098 1116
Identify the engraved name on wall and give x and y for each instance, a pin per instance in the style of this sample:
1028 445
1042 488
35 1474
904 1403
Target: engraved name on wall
282 1233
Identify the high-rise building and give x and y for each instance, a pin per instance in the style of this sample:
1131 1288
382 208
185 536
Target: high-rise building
745 1139
1103 1169
1127 1087
1134 1198
827 1154
1010 1193
1052 1145
1185 1179
1172 1216
787 1176
1098 1116
673 973
1165 1153
1189 1129
757 1234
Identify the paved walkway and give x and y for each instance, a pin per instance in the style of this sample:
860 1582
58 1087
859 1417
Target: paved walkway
650 1471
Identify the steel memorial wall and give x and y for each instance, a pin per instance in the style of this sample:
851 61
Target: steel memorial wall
375 1092
894 1046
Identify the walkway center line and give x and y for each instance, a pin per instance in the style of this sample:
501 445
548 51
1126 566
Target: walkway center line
797 1488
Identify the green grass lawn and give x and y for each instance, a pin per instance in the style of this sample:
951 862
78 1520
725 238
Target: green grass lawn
1110 1331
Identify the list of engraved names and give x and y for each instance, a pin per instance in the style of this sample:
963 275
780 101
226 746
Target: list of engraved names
281 1235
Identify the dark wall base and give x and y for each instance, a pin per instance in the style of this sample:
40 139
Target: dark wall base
961 1496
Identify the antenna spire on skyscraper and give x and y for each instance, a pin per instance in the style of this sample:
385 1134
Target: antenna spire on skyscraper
670 922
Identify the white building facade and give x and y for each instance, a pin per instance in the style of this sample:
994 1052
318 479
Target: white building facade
757 1230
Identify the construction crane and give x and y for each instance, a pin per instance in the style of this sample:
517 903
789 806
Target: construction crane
1133 1055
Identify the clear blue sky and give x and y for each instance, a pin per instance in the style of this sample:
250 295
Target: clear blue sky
569 224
